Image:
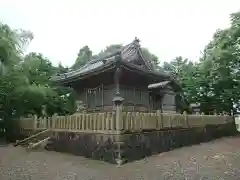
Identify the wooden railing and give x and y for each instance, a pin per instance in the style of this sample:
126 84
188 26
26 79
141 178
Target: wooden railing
27 123
151 121
131 121
85 122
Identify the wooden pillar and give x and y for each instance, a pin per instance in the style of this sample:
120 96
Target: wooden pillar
118 99
134 96
95 97
118 107
86 90
102 91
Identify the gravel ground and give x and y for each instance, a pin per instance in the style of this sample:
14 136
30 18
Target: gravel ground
218 160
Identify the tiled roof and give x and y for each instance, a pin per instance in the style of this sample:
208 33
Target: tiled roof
128 52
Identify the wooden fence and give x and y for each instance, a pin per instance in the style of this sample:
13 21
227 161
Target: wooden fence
131 121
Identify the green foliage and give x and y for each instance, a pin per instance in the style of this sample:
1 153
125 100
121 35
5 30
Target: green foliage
61 69
25 86
37 68
215 80
109 50
221 62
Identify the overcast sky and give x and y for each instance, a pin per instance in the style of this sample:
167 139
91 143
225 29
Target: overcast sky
168 28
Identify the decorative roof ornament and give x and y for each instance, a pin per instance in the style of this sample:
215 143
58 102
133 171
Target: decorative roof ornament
136 40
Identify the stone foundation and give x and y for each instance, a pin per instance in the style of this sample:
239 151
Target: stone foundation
132 146
96 146
137 146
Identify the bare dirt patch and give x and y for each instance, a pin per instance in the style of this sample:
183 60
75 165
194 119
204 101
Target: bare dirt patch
219 159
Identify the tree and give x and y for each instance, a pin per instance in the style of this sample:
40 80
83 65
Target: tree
214 81
185 73
84 55
109 50
61 69
221 64
37 68
10 47
25 86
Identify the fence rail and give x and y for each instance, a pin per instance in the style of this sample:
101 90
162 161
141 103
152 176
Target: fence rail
130 121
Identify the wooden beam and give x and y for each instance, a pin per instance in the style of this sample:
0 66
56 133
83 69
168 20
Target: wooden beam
35 135
33 145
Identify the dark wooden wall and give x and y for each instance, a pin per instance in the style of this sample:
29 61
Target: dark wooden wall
135 98
97 93
168 100
98 98
163 99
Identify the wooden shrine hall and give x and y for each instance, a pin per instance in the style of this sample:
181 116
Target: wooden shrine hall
123 97
124 77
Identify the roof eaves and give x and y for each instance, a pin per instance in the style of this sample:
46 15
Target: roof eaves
158 85
85 70
138 68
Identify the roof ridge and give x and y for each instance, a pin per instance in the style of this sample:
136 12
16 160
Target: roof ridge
123 48
134 43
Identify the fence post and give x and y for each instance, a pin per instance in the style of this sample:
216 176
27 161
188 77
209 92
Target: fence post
35 122
118 107
203 119
45 122
54 117
49 120
186 118
159 120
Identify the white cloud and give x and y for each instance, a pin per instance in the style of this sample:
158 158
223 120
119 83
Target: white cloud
168 28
